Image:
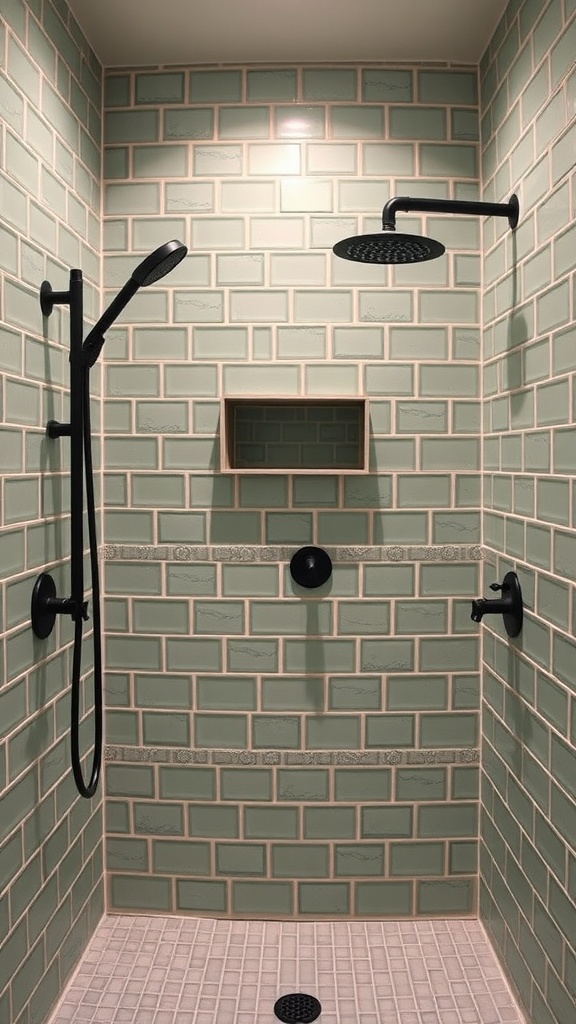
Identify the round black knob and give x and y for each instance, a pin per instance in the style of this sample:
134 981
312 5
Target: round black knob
310 567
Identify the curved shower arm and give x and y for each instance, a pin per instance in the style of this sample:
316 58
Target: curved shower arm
407 204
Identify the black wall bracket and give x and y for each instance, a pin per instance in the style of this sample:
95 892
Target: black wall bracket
311 567
509 605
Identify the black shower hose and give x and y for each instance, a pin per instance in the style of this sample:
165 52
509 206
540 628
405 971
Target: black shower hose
87 790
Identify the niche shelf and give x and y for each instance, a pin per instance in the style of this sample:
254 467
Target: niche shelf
294 435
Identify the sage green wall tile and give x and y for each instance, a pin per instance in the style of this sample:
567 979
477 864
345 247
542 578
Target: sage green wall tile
273 731
271 85
240 859
329 823
292 694
384 899
354 693
140 893
271 823
413 693
329 84
448 730
446 897
229 693
302 784
262 898
186 782
174 857
201 896
252 656
299 861
319 655
166 87
416 859
323 898
446 820
219 730
217 822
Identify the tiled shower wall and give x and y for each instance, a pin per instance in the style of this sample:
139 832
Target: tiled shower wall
51 891
274 750
528 864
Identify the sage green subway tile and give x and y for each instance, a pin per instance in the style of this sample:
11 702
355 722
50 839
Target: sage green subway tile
424 491
293 694
249 580
400 528
332 732
313 492
358 859
454 381
416 693
291 861
384 899
116 163
240 859
385 306
326 158
447 86
552 403
190 578
446 526
252 656
464 124
389 380
178 857
243 123
117 689
386 85
117 817
216 86
343 528
311 655
457 307
448 730
553 501
164 729
329 823
386 655
181 453
310 123
417 123
329 84
446 897
386 822
354 693
133 381
552 701
130 780
160 161
127 855
422 417
134 198
275 731
245 784
129 893
417 859
537 451
302 784
361 617
288 527
448 820
450 453
122 727
187 782
262 898
181 527
152 88
463 858
421 784
389 580
235 528
271 85
331 898
15 205
230 693
202 896
218 617
353 122
358 785
200 655
271 823
218 233
162 691
131 126
220 730
392 731
215 822
138 453
448 580
217 160
146 491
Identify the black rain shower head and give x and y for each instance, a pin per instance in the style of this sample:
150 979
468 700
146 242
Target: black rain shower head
388 246
155 266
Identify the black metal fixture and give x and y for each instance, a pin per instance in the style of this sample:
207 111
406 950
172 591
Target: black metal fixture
45 605
311 567
509 605
297 1008
392 247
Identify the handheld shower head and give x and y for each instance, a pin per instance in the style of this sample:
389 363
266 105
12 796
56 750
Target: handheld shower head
155 266
159 263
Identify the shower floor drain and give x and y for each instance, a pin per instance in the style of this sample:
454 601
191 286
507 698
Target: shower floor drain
297 1008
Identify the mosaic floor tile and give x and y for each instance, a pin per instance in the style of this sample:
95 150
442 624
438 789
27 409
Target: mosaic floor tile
156 970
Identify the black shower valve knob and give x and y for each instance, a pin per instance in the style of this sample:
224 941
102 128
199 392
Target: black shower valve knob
509 604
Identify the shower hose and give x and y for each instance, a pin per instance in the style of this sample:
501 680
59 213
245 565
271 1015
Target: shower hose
88 789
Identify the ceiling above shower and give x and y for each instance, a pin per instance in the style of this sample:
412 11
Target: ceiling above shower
141 32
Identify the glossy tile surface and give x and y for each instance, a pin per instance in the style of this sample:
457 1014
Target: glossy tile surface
170 970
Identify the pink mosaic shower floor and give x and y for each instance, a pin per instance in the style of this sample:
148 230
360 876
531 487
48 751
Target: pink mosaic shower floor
167 970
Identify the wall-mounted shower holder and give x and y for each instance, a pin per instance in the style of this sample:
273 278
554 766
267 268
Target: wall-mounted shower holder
509 605
310 567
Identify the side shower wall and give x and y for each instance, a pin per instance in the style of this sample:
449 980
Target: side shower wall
272 750
528 863
51 891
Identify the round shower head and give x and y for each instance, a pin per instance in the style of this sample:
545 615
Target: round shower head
389 247
159 263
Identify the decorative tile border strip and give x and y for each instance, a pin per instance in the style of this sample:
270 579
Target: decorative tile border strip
270 553
176 755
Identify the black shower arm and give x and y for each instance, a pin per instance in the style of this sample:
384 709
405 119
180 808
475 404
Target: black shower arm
407 204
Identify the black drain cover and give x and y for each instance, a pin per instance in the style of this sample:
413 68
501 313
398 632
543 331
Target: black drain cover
297 1008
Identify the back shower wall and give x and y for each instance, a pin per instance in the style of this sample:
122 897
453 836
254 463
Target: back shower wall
273 750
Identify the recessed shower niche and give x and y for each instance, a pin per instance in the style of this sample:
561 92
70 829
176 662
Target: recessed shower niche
301 435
